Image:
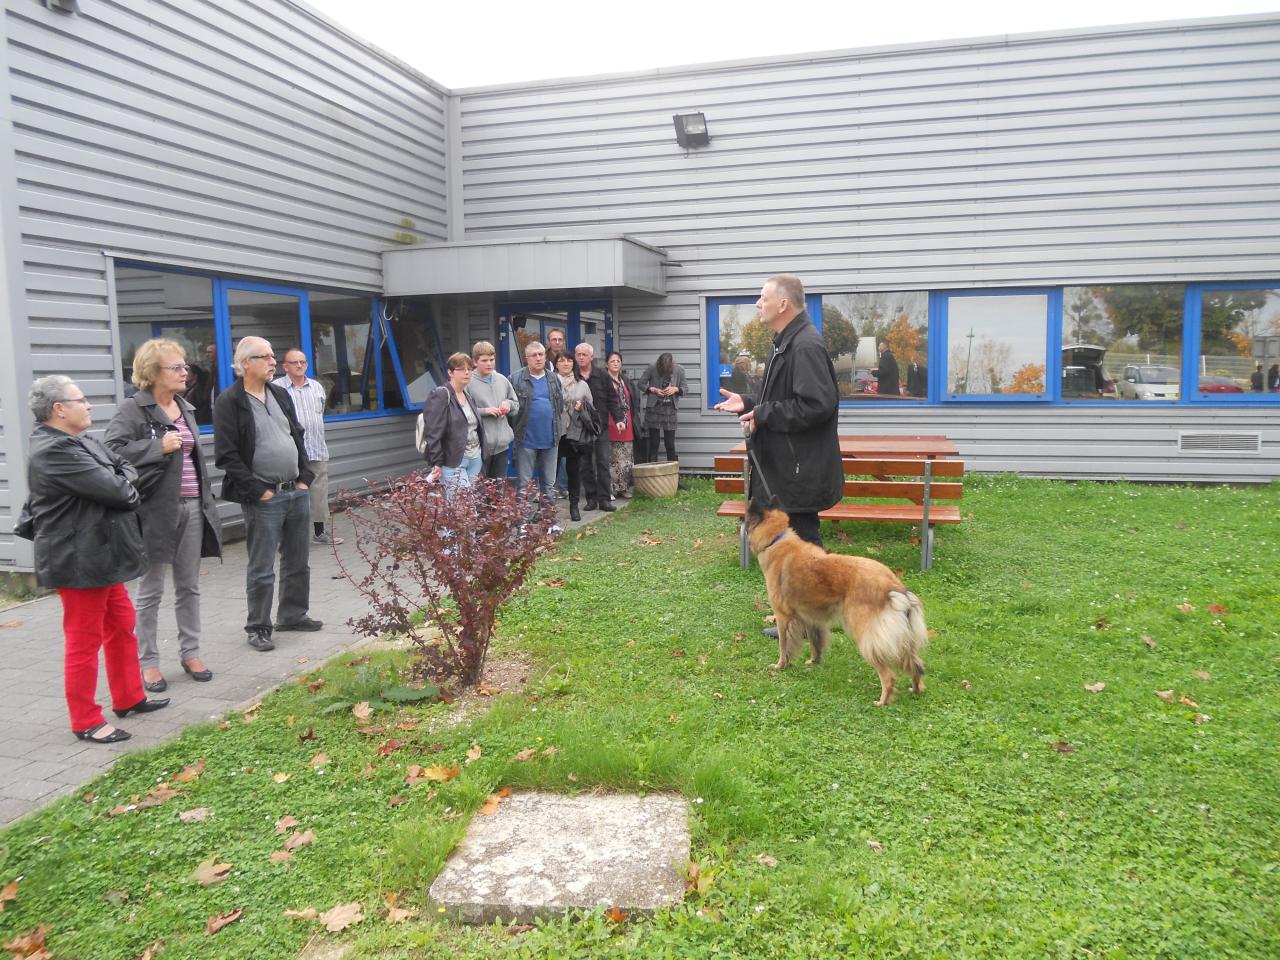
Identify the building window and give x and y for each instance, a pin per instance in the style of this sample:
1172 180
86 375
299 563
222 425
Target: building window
1238 356
996 344
208 315
853 324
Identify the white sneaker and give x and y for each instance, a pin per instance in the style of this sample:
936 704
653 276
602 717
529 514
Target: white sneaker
326 539
555 530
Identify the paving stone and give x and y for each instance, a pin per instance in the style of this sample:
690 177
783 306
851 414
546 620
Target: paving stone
541 855
18 789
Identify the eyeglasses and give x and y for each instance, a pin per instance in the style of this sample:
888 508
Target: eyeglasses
263 356
176 367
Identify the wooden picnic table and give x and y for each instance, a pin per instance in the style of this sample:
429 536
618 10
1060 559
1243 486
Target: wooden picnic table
873 447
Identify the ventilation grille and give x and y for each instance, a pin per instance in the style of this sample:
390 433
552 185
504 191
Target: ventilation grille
1220 443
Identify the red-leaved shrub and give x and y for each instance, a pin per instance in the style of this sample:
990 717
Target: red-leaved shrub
455 559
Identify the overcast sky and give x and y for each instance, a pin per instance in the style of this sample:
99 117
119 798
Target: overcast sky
467 43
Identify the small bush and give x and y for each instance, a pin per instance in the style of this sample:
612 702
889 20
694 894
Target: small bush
449 558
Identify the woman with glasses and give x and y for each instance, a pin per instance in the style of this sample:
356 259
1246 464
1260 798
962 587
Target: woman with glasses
156 430
84 525
451 429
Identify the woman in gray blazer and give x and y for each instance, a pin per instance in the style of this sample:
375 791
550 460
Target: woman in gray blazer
156 429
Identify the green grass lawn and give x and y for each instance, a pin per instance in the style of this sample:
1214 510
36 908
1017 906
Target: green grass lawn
1007 812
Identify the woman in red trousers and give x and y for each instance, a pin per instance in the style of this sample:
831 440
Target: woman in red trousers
82 512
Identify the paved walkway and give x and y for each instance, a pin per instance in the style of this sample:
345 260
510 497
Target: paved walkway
39 757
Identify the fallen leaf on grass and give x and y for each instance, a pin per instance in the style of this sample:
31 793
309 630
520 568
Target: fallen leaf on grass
285 824
152 951
407 725
874 844
390 747
1201 718
320 760
1165 695
30 945
615 915
518 928
554 582
1185 607
485 690
309 735
224 725
358 661
766 861
1095 687
370 731
397 914
368 771
490 806
396 800
155 796
1151 644
362 711
966 684
1217 608
1063 747
216 923
1187 701
190 773
1203 675
771 618
630 644
303 839
524 755
677 653
280 777
315 685
306 913
280 856
210 873
550 751
697 879
1102 623
198 815
342 916
437 772
474 753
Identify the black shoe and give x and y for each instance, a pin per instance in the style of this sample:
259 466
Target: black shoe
306 623
591 505
574 512
143 706
156 686
115 736
770 632
199 676
607 506
260 640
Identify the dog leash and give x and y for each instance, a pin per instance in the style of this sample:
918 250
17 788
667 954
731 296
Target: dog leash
748 437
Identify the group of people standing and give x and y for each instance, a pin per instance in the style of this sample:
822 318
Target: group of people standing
559 407
139 505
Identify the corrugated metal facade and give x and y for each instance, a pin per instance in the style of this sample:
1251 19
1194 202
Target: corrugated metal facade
249 137
1115 155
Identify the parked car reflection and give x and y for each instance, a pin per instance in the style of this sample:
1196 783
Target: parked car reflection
1143 382
1219 385
1082 374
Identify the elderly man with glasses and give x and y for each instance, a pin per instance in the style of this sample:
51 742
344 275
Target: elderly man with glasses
258 443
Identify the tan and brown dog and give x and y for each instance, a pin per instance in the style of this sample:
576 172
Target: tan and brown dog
809 588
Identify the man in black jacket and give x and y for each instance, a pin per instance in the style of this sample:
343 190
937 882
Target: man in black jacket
595 466
888 379
257 441
792 425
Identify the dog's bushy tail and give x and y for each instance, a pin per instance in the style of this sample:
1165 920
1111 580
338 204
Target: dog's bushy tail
898 636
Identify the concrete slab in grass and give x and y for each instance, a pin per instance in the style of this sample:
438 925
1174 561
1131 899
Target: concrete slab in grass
541 855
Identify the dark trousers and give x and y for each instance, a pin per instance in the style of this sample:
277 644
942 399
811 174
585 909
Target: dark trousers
806 527
669 441
281 525
495 467
571 459
595 471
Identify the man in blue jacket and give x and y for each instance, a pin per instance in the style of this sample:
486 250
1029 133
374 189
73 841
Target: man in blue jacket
537 425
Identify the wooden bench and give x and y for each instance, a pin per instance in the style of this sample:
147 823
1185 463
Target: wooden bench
883 481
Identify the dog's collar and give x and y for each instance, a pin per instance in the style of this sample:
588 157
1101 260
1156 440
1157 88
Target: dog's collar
777 538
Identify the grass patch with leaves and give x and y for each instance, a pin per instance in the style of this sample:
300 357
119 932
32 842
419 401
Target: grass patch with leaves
1010 811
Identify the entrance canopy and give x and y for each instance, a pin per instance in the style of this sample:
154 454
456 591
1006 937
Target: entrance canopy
526 264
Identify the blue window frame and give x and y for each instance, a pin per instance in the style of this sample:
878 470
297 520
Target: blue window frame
582 320
1231 342
995 345
369 376
738 344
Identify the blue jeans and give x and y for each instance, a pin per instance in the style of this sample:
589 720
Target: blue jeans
463 475
281 524
546 464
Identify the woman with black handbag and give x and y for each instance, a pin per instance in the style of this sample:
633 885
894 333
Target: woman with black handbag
156 431
87 544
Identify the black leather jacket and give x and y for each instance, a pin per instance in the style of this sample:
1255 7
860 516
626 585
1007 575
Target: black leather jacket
234 440
444 428
85 511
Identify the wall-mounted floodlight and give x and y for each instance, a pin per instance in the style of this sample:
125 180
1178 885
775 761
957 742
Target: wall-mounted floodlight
691 130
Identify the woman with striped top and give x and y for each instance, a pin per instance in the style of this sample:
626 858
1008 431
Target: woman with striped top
156 428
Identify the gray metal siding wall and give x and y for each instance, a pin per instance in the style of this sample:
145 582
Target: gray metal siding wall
1085 157
244 136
